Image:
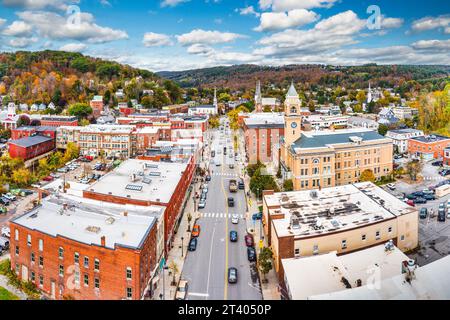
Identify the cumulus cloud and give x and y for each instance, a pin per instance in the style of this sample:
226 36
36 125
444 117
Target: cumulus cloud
281 20
156 40
391 23
250 10
22 42
18 29
207 37
57 27
73 47
2 22
430 23
432 45
172 3
287 5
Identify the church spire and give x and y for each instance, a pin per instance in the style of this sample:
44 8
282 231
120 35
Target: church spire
215 103
292 93
258 97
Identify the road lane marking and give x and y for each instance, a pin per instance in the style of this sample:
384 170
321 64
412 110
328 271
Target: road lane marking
195 294
210 260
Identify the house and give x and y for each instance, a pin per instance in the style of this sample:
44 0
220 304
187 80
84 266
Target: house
387 117
401 138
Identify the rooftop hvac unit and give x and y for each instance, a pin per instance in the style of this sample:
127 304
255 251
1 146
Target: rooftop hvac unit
314 194
295 222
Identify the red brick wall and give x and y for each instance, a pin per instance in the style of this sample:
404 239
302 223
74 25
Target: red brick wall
19 133
27 153
113 265
437 148
51 123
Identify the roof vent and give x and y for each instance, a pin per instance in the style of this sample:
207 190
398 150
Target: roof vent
93 229
110 220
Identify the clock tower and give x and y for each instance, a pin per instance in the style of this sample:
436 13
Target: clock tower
293 117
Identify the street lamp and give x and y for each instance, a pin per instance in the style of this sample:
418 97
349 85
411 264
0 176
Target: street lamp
163 295
182 238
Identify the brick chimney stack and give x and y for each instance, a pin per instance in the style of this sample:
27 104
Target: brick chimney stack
103 240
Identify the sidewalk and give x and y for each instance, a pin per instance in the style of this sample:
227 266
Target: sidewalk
4 282
270 289
176 252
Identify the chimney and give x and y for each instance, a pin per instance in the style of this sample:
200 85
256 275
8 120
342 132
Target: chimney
103 241
125 214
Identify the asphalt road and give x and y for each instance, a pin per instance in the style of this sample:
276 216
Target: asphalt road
206 269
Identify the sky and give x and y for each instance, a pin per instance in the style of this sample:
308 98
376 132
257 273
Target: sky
172 35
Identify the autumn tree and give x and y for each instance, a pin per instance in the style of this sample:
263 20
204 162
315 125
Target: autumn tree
265 262
22 177
367 176
80 110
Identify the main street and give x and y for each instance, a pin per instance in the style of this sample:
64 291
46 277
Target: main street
206 269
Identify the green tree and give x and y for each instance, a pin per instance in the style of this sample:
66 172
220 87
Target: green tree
80 110
383 129
265 262
24 120
413 168
288 185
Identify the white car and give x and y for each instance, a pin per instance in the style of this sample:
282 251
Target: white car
9 196
235 219
202 204
5 232
391 186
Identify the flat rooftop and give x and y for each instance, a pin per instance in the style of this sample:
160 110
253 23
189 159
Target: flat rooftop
265 120
333 209
88 221
430 283
30 141
431 138
141 180
328 138
323 274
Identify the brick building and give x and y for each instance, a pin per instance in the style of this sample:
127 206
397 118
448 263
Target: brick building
428 147
262 132
147 183
97 106
84 251
30 147
58 121
25 132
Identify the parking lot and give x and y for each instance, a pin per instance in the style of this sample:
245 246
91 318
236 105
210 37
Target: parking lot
434 236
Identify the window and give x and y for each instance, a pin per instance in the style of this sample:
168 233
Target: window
77 277
86 262
390 229
316 249
97 265
17 250
32 258
129 273
344 244
129 293
33 276
29 240
76 258
86 280
363 237
41 281
402 238
377 235
61 252
297 252
61 271
97 283
41 261
41 245
16 235
17 268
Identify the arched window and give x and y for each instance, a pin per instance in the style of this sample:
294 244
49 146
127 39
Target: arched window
316 161
293 110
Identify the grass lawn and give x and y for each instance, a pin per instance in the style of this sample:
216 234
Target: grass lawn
6 295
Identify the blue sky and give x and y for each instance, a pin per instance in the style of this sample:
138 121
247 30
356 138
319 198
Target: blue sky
184 34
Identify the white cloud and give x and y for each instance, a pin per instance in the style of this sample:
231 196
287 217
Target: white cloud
156 40
18 29
57 27
433 45
172 3
22 42
73 47
391 23
207 37
39 4
250 10
430 23
287 5
280 20
2 21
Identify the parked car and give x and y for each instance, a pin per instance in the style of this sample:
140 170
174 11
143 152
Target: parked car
437 163
429 197
411 196
182 290
241 185
10 196
196 231
233 236
420 201
48 179
208 178
441 215
63 170
423 213
251 254
232 275
391 186
4 243
411 203
257 216
3 210
230 202
444 172
249 242
202 204
5 232
4 201
193 244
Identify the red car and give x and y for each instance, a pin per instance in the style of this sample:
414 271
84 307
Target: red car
48 179
249 241
196 231
411 203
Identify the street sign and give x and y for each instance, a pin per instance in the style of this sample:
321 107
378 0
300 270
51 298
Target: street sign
261 244
162 263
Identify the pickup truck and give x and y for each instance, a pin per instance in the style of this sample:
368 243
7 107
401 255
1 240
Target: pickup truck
233 186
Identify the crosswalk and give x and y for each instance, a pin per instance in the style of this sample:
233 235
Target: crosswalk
219 215
220 174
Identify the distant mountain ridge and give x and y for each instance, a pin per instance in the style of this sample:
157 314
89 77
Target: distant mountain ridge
243 77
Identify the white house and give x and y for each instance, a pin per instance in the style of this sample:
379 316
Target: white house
400 138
